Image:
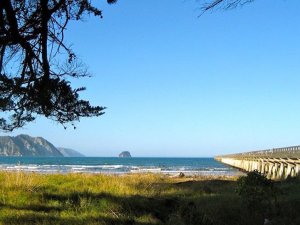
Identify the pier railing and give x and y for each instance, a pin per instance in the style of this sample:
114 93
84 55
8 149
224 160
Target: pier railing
291 152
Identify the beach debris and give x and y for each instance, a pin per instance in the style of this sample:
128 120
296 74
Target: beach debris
180 175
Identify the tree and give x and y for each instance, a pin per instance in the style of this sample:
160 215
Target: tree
36 63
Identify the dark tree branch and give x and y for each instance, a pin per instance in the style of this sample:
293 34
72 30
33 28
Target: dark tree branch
32 33
224 4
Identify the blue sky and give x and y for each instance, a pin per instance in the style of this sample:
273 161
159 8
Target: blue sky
179 85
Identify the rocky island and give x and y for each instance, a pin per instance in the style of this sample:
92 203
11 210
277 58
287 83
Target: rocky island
125 154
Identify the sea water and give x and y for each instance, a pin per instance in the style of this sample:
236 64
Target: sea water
112 165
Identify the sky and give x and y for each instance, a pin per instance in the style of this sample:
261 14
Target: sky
179 85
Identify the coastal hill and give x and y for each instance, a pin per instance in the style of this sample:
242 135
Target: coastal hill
25 145
67 152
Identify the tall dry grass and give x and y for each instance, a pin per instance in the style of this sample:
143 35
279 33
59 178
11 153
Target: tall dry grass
142 199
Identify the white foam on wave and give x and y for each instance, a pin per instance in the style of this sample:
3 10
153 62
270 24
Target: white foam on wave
96 166
116 169
146 170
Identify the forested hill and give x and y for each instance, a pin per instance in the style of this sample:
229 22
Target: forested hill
25 145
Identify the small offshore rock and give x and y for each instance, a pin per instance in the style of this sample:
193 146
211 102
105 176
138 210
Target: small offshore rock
125 154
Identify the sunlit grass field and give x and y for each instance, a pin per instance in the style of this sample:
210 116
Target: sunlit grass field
144 199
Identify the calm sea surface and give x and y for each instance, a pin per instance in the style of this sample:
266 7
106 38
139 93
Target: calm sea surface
189 166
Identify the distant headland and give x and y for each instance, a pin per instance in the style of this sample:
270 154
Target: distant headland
25 145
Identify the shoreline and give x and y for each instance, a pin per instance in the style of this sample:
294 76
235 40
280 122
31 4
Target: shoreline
66 169
178 167
179 175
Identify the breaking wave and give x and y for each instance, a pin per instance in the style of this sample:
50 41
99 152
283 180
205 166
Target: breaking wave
189 166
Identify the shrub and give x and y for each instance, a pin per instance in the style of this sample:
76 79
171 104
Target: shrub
258 192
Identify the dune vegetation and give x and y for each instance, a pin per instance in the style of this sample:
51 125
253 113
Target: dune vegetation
144 199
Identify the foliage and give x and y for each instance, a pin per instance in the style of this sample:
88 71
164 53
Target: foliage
258 192
36 62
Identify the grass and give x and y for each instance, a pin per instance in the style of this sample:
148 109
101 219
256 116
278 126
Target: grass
142 199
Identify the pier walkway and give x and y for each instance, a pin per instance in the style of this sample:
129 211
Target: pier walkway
276 163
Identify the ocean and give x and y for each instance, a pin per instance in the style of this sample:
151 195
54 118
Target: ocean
113 165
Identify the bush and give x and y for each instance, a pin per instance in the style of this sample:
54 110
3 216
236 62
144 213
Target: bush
258 192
